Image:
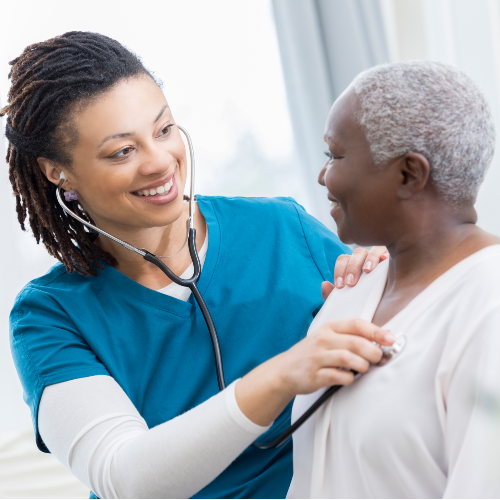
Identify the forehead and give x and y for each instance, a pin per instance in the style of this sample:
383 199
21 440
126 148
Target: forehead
342 124
127 106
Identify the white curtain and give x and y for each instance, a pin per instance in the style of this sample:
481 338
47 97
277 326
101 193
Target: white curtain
325 43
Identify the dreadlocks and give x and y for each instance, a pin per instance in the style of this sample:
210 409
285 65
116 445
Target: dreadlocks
48 79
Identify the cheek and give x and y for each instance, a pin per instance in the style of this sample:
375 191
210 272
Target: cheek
106 183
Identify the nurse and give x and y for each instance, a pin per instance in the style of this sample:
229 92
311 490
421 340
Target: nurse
116 361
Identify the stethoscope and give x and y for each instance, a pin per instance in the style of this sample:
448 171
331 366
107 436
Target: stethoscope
191 283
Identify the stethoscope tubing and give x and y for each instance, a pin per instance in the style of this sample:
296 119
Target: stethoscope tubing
287 434
191 283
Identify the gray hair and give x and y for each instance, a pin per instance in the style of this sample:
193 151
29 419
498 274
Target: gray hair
433 109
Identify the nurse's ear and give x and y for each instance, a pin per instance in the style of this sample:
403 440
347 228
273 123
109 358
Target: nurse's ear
414 171
52 171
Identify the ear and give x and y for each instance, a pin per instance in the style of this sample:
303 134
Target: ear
415 172
51 170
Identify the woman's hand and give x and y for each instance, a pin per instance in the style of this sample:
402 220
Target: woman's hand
348 268
331 354
326 357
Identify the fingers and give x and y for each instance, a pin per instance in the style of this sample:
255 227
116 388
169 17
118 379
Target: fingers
362 328
334 376
340 269
326 289
361 347
355 266
343 358
374 257
330 339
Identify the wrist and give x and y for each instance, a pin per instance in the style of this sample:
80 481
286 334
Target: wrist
263 393
278 377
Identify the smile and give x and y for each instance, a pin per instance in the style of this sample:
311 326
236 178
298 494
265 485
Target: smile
159 191
333 201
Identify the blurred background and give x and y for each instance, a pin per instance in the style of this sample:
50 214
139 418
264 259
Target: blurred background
253 82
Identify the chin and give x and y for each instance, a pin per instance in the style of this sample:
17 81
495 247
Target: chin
349 236
343 232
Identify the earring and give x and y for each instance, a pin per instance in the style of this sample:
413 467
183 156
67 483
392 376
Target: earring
71 195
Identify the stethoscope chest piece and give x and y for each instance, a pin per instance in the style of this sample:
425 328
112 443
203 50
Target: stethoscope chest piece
390 352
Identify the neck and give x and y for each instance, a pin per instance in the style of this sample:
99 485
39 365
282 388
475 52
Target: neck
439 237
165 240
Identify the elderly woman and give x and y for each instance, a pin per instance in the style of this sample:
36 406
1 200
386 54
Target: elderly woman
408 147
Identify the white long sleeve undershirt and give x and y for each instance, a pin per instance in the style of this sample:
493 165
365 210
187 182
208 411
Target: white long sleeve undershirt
91 426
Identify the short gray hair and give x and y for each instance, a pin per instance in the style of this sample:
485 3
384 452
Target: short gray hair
433 109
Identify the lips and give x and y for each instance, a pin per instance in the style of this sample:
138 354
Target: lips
158 191
170 193
333 201
157 188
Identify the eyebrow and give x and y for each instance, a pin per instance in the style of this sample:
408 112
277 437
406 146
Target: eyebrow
162 110
331 142
128 134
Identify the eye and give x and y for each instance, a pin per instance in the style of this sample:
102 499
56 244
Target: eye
330 156
123 152
166 130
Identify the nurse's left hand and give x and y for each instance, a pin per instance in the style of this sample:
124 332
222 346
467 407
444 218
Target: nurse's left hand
348 268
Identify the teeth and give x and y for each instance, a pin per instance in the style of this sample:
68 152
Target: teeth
334 203
159 190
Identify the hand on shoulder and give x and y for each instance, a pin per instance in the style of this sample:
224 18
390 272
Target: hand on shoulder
348 268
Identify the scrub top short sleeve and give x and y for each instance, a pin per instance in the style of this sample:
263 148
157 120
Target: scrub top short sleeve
323 245
47 348
261 281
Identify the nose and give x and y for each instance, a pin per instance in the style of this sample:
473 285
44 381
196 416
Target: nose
321 177
156 159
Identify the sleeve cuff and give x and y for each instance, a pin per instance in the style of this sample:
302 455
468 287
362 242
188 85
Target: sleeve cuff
238 416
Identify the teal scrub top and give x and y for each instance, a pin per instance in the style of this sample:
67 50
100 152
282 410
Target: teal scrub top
261 281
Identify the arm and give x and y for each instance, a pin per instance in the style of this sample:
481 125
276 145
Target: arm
92 427
470 412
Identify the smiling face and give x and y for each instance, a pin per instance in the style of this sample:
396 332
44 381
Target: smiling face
364 197
129 163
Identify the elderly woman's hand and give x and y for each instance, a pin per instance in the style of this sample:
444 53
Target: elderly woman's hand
348 268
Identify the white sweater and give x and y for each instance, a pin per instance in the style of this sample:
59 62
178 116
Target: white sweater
426 424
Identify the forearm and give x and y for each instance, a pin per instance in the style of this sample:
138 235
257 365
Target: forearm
92 427
177 459
262 394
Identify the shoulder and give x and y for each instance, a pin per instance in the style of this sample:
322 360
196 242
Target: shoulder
251 206
473 298
268 210
351 302
477 278
46 291
277 222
